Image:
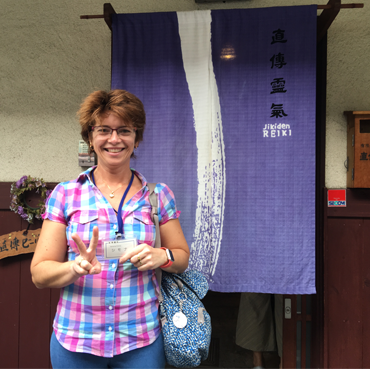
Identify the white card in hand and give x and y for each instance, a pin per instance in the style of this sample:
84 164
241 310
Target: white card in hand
115 249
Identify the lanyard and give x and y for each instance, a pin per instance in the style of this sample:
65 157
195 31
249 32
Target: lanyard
119 212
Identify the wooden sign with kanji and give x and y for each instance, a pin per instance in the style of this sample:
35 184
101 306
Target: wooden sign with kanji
21 242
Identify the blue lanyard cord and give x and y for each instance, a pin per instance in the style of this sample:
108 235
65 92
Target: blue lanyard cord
119 213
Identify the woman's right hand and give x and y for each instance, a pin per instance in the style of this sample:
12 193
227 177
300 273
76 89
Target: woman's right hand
86 262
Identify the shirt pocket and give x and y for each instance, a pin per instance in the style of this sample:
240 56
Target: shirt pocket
143 227
85 216
82 222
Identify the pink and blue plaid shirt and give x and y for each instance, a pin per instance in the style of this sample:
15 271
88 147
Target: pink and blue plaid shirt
117 310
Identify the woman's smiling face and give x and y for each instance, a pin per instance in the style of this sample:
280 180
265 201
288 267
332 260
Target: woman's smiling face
113 148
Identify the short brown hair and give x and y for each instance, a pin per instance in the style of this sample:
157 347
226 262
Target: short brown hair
122 103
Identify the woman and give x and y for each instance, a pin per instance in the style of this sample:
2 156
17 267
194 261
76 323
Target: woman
107 315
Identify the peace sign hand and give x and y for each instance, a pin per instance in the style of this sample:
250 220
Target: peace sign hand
86 262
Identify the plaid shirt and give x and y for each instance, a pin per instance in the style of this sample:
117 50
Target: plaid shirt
117 310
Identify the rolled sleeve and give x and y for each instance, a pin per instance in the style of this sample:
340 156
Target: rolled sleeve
55 205
167 204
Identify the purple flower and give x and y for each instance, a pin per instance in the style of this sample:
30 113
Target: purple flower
48 192
20 210
20 181
24 216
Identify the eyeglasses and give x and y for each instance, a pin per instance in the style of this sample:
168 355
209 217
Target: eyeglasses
105 131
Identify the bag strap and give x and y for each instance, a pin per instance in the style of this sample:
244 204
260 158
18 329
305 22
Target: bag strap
153 199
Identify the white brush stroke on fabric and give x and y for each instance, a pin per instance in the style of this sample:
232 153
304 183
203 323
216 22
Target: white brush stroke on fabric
195 35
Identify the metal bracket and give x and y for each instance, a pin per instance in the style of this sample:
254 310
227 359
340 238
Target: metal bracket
288 308
108 11
326 18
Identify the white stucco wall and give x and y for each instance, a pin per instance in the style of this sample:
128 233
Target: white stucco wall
50 60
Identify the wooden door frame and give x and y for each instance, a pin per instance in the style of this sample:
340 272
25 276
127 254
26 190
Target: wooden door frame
316 314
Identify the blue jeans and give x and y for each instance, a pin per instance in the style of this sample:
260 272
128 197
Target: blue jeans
151 356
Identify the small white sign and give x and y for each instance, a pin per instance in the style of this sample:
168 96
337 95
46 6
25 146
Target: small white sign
115 249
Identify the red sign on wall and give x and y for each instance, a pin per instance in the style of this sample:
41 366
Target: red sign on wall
337 198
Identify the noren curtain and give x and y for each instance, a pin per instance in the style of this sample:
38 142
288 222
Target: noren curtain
230 103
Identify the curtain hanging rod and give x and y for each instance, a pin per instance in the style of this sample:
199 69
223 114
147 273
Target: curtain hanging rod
327 6
91 16
324 20
342 6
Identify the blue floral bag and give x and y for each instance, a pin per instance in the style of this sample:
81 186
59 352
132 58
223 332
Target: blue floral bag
186 325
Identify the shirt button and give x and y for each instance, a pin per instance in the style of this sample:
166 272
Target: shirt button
110 328
111 286
110 307
114 227
113 266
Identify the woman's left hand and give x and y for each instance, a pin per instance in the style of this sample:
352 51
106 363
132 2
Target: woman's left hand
145 257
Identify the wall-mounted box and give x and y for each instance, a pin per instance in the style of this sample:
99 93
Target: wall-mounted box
358 149
85 159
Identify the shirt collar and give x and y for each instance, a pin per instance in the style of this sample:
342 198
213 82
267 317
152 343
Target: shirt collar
86 175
